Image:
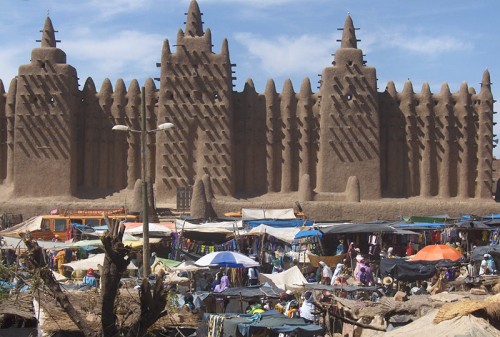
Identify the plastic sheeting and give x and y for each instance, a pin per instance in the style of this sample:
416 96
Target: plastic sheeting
251 292
372 227
91 262
137 228
309 233
31 225
478 252
404 270
280 223
260 213
285 236
289 279
211 227
271 320
15 243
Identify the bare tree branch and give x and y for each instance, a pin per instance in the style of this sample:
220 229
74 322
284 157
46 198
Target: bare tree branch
153 300
152 305
37 262
116 261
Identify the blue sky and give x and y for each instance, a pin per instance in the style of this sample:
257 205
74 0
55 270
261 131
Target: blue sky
424 41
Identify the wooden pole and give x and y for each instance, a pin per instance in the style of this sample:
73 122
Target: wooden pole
179 240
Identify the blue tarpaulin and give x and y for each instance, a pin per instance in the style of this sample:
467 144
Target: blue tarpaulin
491 216
419 225
83 228
308 233
279 223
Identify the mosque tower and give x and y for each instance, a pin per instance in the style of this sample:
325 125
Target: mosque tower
349 122
46 109
196 96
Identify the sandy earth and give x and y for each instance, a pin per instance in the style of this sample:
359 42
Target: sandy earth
366 210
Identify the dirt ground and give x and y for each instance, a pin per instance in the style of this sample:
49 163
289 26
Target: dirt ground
366 210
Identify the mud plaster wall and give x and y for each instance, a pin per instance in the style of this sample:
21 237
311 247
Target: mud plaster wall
397 144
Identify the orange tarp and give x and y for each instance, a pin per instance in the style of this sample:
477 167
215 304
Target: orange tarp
436 253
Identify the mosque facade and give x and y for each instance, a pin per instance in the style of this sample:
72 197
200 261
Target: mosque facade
345 142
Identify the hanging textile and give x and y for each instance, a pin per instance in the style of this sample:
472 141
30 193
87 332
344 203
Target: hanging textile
215 326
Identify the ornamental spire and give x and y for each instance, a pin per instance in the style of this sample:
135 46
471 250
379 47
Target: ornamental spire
194 25
48 34
348 34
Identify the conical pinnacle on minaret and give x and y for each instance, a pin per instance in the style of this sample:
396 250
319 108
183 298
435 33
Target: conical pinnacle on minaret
249 86
391 89
225 50
89 87
426 91
349 34
48 34
194 25
463 95
288 91
270 87
165 51
486 81
445 92
408 88
305 88
486 86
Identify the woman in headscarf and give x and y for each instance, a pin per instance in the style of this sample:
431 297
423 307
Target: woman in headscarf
337 272
326 273
390 252
360 262
217 279
224 284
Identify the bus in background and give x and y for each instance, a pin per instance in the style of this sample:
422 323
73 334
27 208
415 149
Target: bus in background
62 225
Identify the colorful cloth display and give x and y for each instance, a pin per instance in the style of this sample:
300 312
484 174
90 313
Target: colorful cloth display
215 326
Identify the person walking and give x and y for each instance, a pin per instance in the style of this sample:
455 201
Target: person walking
253 276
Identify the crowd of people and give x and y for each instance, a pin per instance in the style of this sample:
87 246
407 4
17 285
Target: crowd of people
355 269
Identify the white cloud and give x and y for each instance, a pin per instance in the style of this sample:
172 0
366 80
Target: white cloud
428 45
286 55
9 61
127 54
249 3
109 8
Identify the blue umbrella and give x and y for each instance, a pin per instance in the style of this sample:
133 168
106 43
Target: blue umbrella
226 259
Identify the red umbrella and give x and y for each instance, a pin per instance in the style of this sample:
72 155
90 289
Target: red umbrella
437 252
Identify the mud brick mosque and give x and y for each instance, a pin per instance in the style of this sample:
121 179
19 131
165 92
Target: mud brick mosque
346 143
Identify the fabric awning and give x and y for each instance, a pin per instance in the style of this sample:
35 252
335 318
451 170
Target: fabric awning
308 233
261 213
371 227
280 223
285 236
248 292
289 279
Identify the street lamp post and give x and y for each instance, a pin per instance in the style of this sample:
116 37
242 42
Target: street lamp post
145 222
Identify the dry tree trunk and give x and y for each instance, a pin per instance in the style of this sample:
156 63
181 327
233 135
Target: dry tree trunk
116 260
153 306
37 262
115 264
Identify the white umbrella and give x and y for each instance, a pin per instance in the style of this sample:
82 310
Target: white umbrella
226 259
